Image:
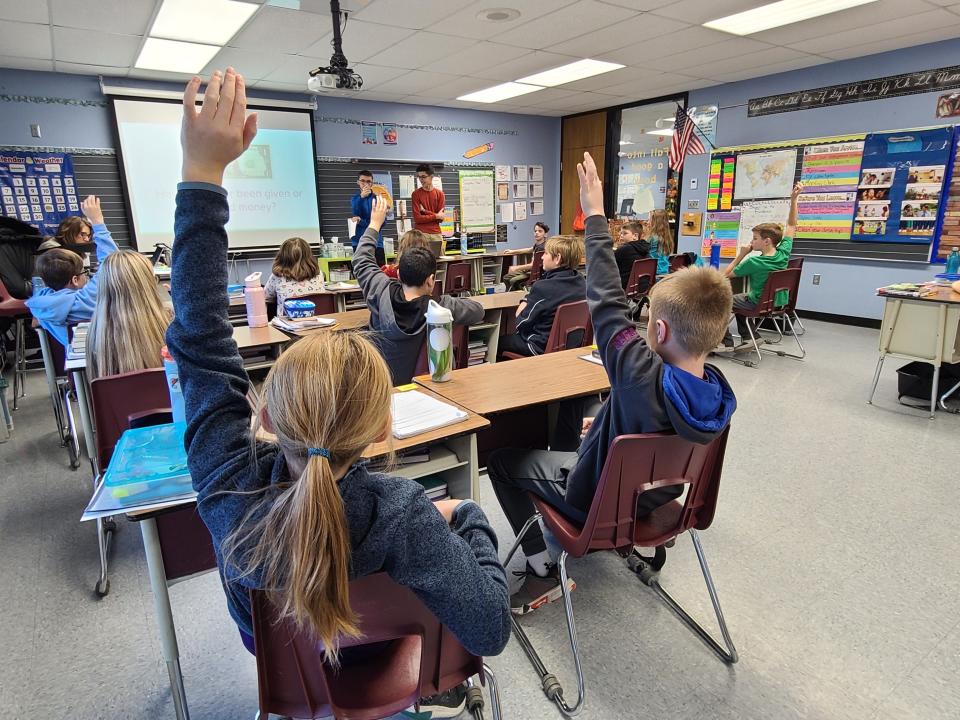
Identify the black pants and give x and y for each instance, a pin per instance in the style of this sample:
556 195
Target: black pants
378 253
515 344
741 301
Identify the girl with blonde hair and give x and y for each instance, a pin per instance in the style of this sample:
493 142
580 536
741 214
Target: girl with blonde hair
411 238
302 516
129 319
660 237
295 272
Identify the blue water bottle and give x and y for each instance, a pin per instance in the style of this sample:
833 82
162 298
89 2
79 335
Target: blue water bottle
463 243
177 407
714 252
953 262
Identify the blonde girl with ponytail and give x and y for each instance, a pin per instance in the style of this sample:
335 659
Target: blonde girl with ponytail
303 516
660 237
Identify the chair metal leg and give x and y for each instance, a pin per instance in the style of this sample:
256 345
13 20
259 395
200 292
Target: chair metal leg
19 362
756 349
523 531
948 393
933 391
474 700
798 324
651 578
494 689
72 438
5 418
782 353
876 378
551 686
105 530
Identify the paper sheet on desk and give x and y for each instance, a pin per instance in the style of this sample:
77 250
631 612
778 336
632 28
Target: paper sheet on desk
415 413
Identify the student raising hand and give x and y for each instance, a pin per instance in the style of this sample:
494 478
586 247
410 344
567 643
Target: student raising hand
91 210
591 187
378 212
219 133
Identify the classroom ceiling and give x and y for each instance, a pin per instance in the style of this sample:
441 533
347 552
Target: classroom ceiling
430 52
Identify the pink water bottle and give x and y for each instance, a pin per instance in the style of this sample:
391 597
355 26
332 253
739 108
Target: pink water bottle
256 300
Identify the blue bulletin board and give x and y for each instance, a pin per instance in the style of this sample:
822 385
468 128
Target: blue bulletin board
901 195
38 188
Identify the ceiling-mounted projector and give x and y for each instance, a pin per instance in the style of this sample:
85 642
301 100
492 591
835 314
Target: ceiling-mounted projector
337 76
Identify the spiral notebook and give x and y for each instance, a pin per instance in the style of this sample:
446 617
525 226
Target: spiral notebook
415 412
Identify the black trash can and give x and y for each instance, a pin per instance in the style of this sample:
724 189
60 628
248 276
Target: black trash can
915 380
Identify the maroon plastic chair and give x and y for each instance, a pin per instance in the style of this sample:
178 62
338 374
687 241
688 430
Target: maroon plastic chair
636 464
325 302
16 310
796 263
779 295
643 276
460 351
571 329
677 262
421 658
458 279
536 268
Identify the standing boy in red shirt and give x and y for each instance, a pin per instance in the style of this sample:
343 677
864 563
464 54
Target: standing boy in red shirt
428 203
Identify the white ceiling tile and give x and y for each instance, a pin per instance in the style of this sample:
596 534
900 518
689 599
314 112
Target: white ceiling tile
121 17
459 86
282 30
648 52
757 62
468 60
376 75
160 75
420 49
379 96
297 88
616 77
25 40
631 31
549 97
945 32
32 11
880 31
361 40
560 101
23 63
564 24
413 82
713 53
954 8
80 46
524 65
639 5
467 23
416 14
697 12
657 85
252 64
89 69
853 19
293 69
721 76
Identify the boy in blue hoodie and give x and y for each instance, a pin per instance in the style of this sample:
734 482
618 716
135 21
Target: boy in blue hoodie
659 384
68 296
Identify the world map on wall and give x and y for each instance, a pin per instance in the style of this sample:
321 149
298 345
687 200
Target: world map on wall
765 174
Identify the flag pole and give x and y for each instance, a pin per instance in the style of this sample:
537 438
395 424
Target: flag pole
696 128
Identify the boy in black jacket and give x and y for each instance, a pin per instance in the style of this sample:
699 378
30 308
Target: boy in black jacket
630 249
560 283
658 384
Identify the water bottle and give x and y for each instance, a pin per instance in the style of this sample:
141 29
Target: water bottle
463 243
173 386
256 300
953 262
439 341
715 255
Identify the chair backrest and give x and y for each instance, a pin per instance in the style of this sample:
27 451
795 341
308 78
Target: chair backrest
9 305
571 327
325 302
437 289
780 292
116 399
460 351
458 278
795 262
643 275
436 247
420 658
636 464
677 262
536 268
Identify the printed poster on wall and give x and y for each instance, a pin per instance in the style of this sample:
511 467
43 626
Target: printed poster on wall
825 216
723 227
477 206
832 167
383 186
713 184
520 210
506 212
765 174
503 191
390 134
502 173
38 188
368 133
726 183
755 212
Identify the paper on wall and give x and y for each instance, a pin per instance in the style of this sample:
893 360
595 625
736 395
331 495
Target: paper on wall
536 207
519 190
408 183
536 190
502 173
506 212
536 173
754 212
520 210
520 173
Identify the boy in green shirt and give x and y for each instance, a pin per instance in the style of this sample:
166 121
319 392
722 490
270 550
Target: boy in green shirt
774 244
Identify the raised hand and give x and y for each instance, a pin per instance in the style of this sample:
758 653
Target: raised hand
219 133
591 187
378 212
91 209
797 189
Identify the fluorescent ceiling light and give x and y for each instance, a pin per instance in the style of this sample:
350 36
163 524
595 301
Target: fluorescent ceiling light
568 73
175 56
212 22
662 131
779 13
499 92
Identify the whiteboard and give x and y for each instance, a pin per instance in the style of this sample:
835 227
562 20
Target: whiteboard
477 206
754 212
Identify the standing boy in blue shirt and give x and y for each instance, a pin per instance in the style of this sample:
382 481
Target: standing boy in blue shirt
361 205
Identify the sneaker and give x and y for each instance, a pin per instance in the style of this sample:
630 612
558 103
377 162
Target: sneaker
727 346
537 591
453 698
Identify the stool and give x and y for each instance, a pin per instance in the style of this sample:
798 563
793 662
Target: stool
17 310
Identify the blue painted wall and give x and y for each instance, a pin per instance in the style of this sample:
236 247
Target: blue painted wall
536 142
847 286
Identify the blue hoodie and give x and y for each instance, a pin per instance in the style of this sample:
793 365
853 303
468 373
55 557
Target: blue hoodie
56 309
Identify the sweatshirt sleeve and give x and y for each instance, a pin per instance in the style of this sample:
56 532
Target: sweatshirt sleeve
270 289
371 278
85 299
200 338
465 311
418 202
626 356
455 571
355 204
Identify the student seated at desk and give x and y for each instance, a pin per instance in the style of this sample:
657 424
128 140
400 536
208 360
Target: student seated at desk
69 294
660 238
410 239
129 319
630 248
774 244
398 307
517 275
658 384
295 272
560 283
304 515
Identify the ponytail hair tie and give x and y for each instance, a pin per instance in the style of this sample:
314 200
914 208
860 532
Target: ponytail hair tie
322 452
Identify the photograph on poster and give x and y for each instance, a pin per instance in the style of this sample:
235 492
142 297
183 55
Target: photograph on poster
520 173
926 174
918 210
921 191
872 210
503 191
519 190
917 227
877 177
869 227
874 194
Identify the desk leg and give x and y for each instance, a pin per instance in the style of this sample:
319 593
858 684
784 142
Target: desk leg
876 378
885 345
164 615
938 357
86 418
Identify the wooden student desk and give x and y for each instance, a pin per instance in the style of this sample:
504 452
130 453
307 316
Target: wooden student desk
453 452
925 329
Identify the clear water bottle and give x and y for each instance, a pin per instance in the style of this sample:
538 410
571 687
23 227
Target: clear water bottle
439 341
953 262
177 406
464 245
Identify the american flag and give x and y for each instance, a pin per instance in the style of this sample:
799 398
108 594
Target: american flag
685 141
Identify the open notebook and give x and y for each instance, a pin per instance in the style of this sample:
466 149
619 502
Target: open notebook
415 412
